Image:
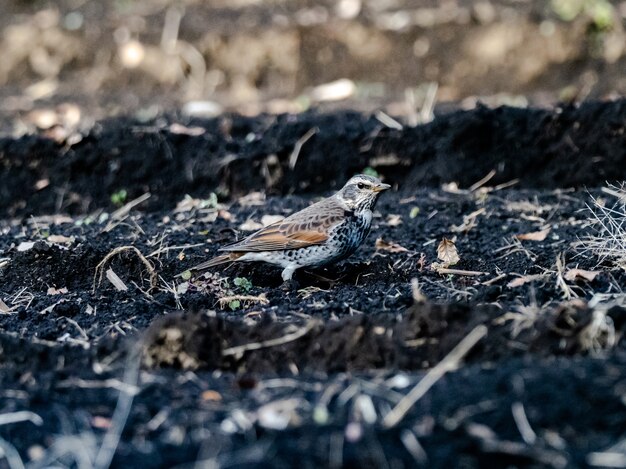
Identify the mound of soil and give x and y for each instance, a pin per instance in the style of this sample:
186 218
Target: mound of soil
564 147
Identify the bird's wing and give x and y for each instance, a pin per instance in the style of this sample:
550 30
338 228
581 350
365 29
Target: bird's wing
308 227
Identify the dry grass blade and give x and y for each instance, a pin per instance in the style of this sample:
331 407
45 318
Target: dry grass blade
568 293
122 409
115 280
608 243
599 335
293 158
448 363
416 292
478 184
388 121
490 443
535 235
469 222
607 459
21 416
161 250
121 213
467 273
11 455
523 425
524 279
239 349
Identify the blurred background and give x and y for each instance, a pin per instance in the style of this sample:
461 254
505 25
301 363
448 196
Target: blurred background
71 62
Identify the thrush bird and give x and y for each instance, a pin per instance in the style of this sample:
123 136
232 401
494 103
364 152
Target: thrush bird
325 232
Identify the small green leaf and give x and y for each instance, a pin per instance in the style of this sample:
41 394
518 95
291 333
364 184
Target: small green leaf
369 171
211 202
118 198
234 304
414 212
320 414
243 283
186 275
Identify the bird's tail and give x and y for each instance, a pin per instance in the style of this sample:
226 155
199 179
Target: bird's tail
222 259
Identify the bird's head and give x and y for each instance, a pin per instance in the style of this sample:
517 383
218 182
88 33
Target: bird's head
361 192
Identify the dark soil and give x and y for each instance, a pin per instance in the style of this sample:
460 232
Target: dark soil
270 377
564 147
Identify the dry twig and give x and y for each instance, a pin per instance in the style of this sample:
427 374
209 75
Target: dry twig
448 363
240 349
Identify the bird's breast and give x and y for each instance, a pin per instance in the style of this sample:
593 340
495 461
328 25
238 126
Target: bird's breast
350 234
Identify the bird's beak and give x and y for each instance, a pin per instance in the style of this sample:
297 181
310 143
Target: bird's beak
381 187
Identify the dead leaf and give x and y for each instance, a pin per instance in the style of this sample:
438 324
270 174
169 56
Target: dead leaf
50 308
535 235
334 91
100 422
519 281
252 199
54 291
250 225
4 308
389 246
577 274
189 203
447 253
180 129
267 220
452 188
210 395
42 184
394 219
25 246
225 215
469 222
60 239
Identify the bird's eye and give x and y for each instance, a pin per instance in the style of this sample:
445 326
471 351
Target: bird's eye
360 185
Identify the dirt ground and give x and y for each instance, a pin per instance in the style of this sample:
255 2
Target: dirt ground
136 138
230 369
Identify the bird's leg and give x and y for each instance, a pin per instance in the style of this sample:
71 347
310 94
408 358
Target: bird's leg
288 273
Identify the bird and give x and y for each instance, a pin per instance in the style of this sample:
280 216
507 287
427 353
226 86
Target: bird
323 233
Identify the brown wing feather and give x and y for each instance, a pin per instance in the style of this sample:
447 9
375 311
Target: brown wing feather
308 227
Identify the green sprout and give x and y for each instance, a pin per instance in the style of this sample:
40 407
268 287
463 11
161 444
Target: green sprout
369 171
119 198
601 12
243 283
211 202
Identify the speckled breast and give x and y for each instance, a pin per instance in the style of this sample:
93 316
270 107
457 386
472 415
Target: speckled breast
350 235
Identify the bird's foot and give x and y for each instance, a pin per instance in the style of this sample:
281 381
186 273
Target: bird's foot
289 285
